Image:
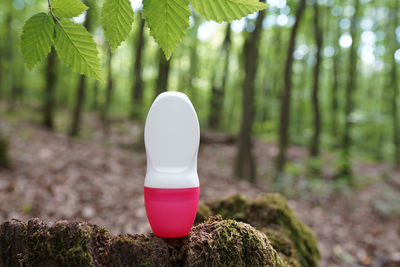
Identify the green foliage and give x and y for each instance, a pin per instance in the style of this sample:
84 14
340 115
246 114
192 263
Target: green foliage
168 20
37 38
226 10
67 8
74 45
116 19
76 48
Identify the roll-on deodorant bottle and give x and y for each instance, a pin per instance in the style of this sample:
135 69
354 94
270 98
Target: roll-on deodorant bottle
171 186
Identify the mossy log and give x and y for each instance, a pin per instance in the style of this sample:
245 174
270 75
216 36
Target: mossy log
215 242
212 242
270 214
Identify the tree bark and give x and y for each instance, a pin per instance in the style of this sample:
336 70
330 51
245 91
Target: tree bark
245 166
109 88
314 148
345 169
163 74
286 93
77 115
95 102
11 63
137 88
335 84
395 89
48 108
218 89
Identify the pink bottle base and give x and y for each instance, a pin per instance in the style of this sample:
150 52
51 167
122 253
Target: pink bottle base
171 212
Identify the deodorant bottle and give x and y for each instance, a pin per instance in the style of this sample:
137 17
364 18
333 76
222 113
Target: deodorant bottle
171 186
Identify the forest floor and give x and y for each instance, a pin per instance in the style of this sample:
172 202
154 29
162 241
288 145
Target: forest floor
99 178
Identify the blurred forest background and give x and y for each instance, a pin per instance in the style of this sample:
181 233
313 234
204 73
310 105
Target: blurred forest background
301 99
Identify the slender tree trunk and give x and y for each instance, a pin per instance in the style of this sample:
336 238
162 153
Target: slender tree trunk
106 107
1 70
300 113
218 91
80 99
345 170
314 148
48 108
245 166
95 101
4 159
193 71
395 88
11 64
80 96
163 74
335 84
286 93
137 88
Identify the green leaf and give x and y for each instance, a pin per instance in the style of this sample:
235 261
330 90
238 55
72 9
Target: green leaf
226 10
37 38
77 49
116 19
167 20
67 8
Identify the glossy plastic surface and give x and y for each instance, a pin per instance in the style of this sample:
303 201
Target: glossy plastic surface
172 137
171 212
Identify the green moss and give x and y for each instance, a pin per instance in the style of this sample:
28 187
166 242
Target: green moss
62 244
220 242
271 214
283 245
203 211
137 250
232 207
272 209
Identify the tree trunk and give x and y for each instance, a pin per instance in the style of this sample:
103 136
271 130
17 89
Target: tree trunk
80 96
192 90
95 102
218 89
335 84
345 169
245 166
11 63
286 93
106 107
314 148
48 108
301 107
2 93
163 74
137 88
395 85
80 99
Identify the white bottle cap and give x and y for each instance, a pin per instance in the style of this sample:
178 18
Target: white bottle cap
171 138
